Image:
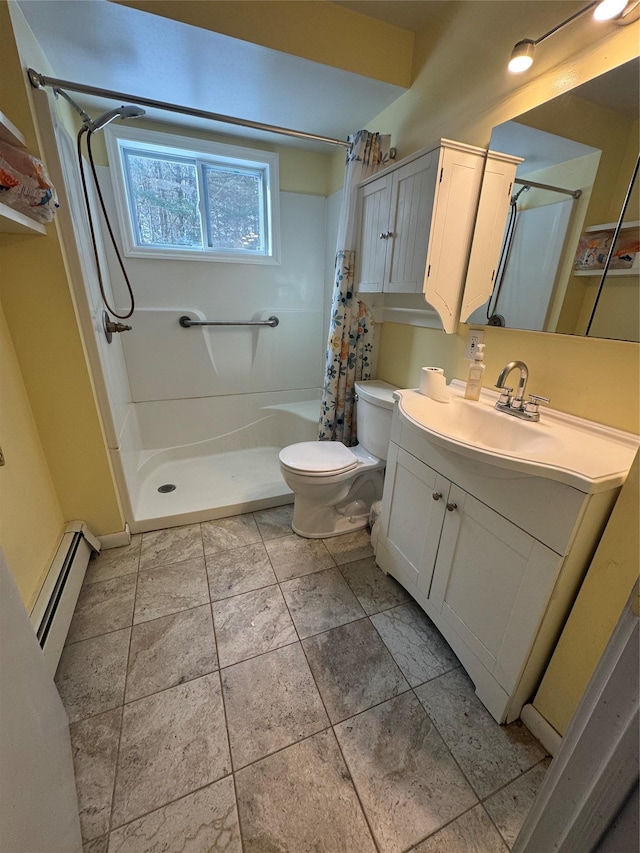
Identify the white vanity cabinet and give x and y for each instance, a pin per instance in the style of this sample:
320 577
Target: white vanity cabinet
415 225
493 556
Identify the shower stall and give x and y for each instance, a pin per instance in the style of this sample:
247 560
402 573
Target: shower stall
195 414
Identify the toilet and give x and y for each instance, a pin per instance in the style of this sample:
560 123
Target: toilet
334 486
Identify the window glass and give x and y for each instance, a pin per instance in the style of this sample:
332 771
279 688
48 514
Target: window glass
163 199
184 198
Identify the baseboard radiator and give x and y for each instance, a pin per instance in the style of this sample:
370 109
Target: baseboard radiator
53 610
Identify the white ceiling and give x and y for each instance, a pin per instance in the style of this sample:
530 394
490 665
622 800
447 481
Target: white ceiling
114 47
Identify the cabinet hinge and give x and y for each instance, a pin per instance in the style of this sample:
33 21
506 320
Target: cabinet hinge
492 275
428 270
510 186
441 174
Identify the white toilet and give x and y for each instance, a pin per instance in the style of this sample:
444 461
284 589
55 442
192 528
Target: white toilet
334 485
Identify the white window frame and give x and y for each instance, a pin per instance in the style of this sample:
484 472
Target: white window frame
204 151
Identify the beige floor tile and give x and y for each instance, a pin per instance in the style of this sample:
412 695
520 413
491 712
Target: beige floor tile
374 590
320 601
169 651
169 589
172 743
94 745
251 624
91 674
407 780
490 755
301 800
350 546
173 545
239 570
103 606
353 669
473 832
414 641
203 822
510 806
114 562
293 556
98 845
225 533
271 702
276 522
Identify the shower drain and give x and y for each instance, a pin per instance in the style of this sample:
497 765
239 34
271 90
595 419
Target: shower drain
168 487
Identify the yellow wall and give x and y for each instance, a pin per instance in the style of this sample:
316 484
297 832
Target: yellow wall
314 29
31 519
41 321
604 593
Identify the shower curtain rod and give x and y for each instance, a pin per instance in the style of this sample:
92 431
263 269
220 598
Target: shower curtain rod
572 193
38 81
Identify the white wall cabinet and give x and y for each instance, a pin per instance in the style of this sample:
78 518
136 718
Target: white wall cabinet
494 558
493 209
415 225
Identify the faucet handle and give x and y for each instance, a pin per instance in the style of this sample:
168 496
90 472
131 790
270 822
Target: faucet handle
531 406
505 394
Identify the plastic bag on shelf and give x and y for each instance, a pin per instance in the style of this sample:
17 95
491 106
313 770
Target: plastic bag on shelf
25 185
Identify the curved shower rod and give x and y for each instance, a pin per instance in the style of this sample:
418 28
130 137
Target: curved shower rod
39 81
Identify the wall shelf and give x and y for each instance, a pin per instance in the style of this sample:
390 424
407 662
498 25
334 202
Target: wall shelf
629 272
10 133
630 229
12 221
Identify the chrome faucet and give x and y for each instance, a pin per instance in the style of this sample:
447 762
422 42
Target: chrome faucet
516 405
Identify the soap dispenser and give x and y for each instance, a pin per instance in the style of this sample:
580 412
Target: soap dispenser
476 372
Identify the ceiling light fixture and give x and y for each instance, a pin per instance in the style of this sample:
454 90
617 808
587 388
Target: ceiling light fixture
604 10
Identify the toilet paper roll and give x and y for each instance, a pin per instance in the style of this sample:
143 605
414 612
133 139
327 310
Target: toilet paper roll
433 384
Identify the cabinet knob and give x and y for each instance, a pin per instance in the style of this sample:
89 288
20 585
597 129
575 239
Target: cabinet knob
436 496
451 507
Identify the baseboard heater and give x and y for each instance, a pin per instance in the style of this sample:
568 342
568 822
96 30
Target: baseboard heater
53 610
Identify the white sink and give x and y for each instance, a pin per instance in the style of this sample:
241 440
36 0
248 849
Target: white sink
583 454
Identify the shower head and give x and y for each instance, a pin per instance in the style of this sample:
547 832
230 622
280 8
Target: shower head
120 112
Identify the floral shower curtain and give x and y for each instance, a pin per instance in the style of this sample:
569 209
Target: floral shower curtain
350 329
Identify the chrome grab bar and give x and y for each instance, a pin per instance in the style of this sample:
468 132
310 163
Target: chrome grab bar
186 322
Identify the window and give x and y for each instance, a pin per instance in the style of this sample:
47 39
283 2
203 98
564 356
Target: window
179 197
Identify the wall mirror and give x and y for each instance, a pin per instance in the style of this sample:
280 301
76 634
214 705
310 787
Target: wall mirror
549 275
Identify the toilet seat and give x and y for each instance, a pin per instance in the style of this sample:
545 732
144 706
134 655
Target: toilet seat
318 458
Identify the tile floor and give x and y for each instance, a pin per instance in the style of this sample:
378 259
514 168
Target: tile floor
233 687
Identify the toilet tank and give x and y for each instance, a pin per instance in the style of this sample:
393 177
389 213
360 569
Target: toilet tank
374 413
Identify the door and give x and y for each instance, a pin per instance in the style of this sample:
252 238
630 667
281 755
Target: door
412 195
38 805
373 234
412 514
491 584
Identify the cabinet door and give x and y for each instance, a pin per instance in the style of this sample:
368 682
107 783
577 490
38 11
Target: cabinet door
495 197
453 218
412 195
412 514
372 239
491 584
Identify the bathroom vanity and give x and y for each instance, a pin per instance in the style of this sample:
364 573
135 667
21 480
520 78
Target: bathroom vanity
490 523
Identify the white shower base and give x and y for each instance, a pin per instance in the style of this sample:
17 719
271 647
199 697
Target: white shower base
229 472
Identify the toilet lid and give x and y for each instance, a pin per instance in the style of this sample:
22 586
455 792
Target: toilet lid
317 457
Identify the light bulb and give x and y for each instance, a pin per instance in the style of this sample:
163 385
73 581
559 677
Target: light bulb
521 56
607 9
